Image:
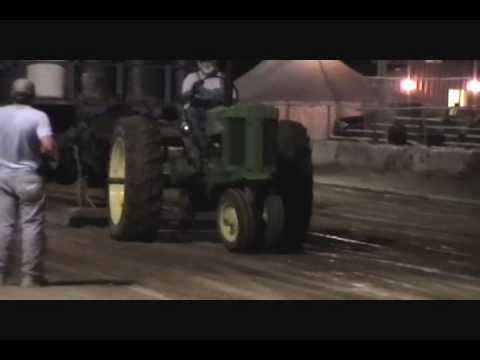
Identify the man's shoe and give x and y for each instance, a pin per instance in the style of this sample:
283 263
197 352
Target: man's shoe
33 281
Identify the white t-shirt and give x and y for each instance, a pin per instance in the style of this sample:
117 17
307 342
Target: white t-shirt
21 128
212 83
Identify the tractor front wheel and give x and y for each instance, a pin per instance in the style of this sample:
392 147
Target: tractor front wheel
236 222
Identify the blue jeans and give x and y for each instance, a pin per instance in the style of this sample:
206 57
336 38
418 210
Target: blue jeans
22 208
197 118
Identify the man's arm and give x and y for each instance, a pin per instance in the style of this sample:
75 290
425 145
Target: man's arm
48 145
190 86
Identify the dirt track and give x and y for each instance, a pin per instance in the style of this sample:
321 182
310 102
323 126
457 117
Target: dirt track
363 246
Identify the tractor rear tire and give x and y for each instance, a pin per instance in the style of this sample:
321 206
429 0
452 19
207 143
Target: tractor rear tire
273 220
294 184
236 222
135 185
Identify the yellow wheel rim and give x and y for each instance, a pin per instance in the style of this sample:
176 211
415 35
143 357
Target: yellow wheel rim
116 185
228 223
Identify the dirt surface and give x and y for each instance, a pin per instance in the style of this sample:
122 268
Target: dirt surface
363 245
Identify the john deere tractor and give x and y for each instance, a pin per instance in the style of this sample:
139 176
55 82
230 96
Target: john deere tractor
118 132
257 177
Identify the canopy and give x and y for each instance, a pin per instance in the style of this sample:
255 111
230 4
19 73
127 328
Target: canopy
311 81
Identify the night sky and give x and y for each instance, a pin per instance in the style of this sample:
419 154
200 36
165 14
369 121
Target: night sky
365 67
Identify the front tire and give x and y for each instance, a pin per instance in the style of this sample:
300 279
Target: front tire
236 222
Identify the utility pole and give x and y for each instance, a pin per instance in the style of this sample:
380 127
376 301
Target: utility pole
382 66
475 78
382 69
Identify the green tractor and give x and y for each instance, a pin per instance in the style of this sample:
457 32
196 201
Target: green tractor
257 178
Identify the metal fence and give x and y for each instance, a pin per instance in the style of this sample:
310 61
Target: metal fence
431 126
427 91
437 112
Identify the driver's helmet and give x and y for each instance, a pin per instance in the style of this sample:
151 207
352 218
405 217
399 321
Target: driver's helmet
208 67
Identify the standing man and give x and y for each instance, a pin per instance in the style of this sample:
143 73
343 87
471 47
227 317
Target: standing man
25 134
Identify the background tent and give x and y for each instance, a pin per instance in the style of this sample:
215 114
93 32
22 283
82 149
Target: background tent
313 92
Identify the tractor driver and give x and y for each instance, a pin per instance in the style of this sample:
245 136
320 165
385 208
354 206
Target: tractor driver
201 91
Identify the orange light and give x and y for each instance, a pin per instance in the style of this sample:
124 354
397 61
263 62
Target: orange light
408 85
473 86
